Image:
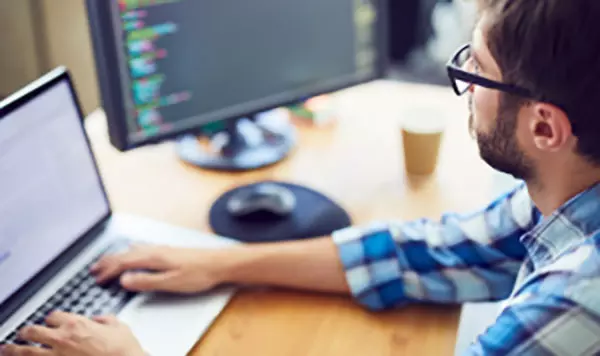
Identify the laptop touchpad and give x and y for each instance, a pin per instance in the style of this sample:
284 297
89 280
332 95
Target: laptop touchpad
181 319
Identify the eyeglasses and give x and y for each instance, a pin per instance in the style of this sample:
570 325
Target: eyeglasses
462 79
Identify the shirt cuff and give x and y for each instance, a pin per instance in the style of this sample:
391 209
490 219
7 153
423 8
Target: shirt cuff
371 265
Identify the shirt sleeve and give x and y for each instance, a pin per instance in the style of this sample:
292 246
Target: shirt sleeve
541 325
461 258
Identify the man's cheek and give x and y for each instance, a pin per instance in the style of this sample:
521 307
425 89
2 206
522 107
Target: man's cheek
483 107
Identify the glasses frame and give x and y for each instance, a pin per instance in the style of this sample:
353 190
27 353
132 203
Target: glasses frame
455 72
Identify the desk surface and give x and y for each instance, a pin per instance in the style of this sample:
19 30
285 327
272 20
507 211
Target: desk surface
358 162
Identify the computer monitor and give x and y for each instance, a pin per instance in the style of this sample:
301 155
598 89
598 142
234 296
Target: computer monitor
167 68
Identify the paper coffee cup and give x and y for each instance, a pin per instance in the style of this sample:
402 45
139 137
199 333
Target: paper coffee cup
422 132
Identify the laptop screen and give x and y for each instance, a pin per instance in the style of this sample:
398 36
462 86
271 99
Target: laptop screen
50 192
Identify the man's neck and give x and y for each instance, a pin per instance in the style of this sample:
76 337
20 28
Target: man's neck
550 194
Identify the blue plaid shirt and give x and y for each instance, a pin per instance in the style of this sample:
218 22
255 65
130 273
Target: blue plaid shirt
546 270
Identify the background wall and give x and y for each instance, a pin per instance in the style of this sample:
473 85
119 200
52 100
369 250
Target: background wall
19 56
68 43
38 35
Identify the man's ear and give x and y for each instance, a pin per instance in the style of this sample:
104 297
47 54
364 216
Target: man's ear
550 127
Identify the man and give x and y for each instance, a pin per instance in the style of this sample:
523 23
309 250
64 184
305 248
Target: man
532 73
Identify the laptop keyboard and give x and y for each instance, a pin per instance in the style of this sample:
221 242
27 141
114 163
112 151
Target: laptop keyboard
81 295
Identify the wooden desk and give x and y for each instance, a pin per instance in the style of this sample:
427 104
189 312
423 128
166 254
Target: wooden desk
357 162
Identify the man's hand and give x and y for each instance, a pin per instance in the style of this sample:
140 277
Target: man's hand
74 335
177 270
164 269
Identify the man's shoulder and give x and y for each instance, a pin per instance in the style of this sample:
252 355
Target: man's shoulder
583 286
574 275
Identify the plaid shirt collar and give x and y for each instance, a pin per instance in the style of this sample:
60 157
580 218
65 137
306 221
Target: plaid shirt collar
568 227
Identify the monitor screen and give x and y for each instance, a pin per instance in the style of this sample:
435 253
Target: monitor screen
51 192
172 66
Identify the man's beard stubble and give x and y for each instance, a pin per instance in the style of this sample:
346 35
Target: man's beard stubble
499 148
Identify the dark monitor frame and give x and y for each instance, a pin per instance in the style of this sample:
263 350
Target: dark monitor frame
14 103
113 98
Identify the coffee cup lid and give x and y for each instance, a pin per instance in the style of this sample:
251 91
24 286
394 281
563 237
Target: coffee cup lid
423 120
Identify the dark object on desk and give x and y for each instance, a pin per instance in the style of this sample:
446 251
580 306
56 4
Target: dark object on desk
404 28
311 215
266 198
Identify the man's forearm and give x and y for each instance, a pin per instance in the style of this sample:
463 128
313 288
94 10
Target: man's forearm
308 264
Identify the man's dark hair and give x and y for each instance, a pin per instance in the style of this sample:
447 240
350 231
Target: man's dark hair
552 48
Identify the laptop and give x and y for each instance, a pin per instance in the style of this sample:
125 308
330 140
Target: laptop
56 220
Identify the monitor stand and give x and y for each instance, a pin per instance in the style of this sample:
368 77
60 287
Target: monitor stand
245 144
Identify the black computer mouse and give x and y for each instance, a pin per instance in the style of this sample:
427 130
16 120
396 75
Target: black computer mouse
263 200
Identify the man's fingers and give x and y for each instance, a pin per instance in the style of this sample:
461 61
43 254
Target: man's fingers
99 264
112 266
106 319
145 282
59 318
14 350
40 334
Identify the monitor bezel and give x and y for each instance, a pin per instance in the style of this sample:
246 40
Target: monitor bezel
39 280
102 30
